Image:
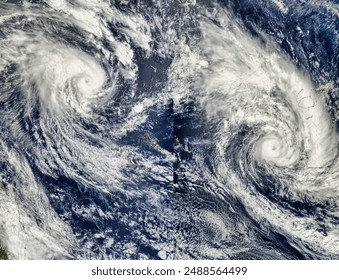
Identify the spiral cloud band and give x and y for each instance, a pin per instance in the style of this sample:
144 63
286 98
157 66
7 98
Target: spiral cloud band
169 130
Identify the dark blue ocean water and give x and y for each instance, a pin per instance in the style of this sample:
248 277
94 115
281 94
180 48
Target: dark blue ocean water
138 175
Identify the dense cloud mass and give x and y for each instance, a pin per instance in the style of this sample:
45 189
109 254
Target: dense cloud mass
169 129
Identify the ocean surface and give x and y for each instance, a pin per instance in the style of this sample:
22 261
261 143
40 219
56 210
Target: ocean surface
169 129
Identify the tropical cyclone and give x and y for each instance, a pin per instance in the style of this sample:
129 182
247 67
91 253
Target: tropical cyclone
269 145
70 84
169 129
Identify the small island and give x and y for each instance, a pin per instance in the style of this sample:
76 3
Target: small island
3 254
